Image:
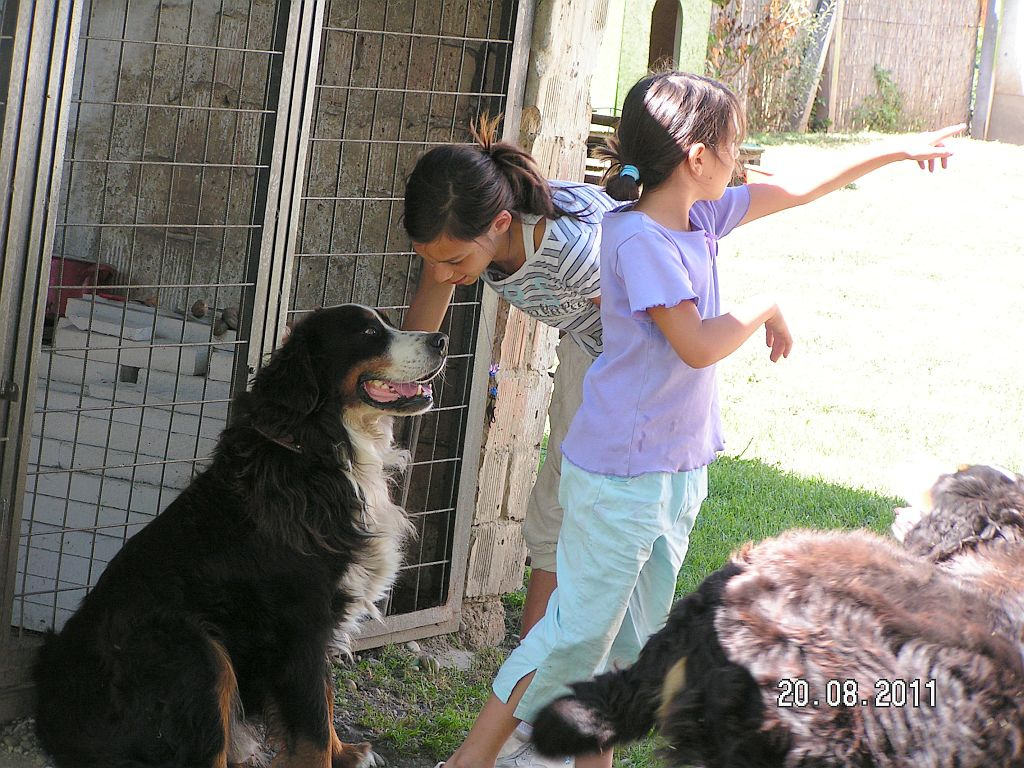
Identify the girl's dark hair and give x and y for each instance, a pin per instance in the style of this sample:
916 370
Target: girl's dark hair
663 115
458 189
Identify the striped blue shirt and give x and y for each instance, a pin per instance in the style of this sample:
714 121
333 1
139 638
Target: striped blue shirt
560 277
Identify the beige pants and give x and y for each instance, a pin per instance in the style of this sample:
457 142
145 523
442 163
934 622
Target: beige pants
543 512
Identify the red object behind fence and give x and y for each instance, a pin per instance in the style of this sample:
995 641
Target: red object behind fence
73 278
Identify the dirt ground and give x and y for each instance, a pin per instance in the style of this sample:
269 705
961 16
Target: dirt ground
20 749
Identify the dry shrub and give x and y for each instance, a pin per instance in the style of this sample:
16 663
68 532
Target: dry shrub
758 53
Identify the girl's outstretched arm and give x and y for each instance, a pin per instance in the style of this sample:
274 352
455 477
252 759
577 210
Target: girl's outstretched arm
428 305
700 343
784 191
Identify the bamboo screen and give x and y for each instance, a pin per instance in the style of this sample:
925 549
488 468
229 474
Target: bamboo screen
928 47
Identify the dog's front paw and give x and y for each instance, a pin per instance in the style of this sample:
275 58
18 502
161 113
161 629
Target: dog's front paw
359 755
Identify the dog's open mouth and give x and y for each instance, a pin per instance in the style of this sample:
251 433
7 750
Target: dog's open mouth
391 392
398 397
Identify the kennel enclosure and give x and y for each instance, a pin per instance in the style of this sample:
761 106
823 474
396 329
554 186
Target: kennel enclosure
183 179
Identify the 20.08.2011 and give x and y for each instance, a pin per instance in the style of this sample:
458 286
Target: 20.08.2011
797 692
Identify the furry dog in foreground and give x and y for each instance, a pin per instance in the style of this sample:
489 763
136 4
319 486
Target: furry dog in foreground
836 649
224 609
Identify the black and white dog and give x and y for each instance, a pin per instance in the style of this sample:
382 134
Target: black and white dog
223 610
836 649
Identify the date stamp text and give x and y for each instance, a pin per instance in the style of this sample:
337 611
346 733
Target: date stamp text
795 692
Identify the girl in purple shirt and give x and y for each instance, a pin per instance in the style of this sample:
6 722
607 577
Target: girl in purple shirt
634 469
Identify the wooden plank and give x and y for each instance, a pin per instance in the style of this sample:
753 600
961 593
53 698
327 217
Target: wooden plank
836 54
554 126
986 71
809 72
46 42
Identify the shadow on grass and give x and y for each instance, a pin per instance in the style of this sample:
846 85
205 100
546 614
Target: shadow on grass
749 500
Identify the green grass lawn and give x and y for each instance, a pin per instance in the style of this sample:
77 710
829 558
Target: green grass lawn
904 295
904 298
749 500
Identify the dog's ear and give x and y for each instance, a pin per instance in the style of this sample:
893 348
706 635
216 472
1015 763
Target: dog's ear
286 389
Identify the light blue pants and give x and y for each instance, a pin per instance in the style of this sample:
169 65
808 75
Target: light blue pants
622 543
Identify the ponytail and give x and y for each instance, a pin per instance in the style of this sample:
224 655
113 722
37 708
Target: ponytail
619 186
458 189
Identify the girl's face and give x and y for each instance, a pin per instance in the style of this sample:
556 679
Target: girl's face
461 262
726 155
718 167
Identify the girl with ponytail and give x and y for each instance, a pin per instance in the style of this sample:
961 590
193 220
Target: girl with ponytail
485 211
634 466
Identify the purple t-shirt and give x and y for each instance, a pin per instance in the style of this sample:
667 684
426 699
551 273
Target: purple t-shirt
644 409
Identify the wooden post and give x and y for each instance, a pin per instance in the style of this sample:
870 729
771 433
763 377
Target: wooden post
809 71
836 54
986 72
554 126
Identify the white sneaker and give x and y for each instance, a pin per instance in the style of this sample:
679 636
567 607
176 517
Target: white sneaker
513 744
526 757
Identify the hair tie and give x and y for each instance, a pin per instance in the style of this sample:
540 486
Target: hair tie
631 171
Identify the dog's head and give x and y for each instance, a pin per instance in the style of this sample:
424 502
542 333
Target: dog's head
962 510
341 358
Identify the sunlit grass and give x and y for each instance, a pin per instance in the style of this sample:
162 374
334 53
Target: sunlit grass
904 297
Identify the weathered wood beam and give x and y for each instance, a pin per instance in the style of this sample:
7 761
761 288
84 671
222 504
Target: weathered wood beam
554 124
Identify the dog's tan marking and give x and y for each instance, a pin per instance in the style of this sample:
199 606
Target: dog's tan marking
343 755
675 679
227 699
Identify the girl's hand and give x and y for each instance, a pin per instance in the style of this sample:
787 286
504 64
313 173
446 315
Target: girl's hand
926 148
786 190
777 336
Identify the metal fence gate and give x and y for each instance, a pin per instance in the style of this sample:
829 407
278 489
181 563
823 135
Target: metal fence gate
215 169
394 79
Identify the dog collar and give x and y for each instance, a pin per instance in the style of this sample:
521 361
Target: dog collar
340 453
288 442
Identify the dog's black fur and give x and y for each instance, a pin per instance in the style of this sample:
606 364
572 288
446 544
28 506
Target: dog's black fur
224 609
833 606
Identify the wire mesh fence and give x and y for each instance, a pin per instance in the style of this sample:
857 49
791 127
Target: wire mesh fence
157 218
160 216
396 79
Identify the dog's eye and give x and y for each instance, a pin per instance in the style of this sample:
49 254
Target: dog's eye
371 331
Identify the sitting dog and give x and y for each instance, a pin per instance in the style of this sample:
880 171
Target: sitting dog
836 649
223 610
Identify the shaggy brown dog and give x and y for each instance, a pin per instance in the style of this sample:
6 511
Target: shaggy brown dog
225 607
836 649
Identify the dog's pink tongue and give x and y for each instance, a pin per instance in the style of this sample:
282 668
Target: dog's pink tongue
389 391
406 390
381 392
